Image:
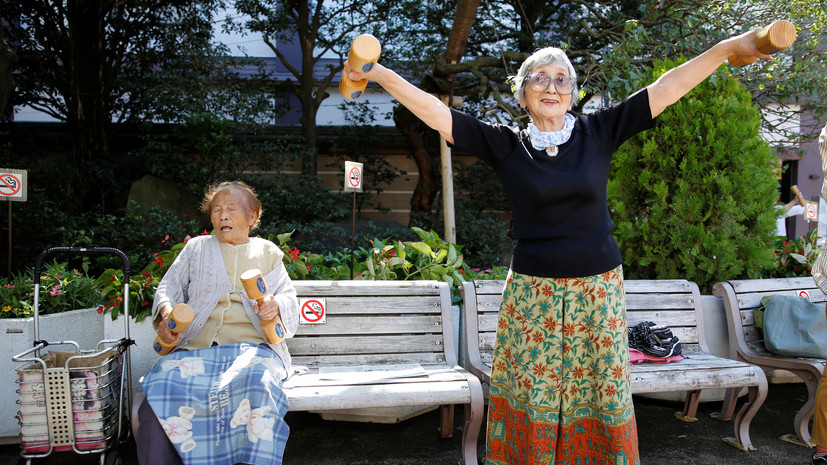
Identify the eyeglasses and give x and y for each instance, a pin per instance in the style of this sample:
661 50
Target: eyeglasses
539 82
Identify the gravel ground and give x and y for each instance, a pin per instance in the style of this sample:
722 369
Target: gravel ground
663 438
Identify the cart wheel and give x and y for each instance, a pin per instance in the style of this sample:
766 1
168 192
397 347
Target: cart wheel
113 458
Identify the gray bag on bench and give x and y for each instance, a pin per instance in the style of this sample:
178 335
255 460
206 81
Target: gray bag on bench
794 326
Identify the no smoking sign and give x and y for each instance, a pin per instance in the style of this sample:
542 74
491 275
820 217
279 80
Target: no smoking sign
353 176
312 311
13 185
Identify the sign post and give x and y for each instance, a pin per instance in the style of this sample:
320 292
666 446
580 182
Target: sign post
13 188
353 183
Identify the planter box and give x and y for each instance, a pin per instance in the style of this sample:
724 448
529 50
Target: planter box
142 355
17 335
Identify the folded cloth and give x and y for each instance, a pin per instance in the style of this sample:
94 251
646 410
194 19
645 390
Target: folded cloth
636 356
221 405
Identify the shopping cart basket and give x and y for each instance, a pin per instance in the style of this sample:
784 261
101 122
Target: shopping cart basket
72 399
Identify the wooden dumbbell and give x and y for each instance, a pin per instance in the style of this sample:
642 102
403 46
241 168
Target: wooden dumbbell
256 288
777 36
795 191
364 52
179 320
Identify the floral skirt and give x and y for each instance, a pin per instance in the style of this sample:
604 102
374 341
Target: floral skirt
560 390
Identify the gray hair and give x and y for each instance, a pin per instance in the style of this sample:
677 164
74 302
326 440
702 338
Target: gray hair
542 57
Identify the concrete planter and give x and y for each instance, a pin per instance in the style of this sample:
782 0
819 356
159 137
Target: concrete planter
142 355
82 326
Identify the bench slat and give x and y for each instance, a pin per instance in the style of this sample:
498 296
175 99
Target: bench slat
434 373
680 380
365 344
780 284
380 304
359 288
660 301
372 325
326 398
424 358
753 299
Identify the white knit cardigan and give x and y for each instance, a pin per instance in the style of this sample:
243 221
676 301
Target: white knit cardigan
197 277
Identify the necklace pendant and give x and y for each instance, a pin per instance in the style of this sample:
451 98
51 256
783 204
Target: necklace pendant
552 151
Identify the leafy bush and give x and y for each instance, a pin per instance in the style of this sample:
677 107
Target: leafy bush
61 289
794 258
694 198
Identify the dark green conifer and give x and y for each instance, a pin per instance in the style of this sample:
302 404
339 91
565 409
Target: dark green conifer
694 198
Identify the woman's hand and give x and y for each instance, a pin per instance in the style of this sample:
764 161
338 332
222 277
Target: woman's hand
268 309
744 44
358 76
164 332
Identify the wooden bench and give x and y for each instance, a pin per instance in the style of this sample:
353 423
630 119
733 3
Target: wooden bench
381 325
676 303
372 330
746 341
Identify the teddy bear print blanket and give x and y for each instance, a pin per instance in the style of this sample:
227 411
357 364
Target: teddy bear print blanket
221 405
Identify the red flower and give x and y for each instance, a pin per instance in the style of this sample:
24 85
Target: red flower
205 233
100 310
146 303
112 277
462 271
159 261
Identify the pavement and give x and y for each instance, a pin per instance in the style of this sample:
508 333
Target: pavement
663 439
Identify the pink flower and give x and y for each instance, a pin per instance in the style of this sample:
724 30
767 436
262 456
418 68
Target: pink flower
9 286
56 290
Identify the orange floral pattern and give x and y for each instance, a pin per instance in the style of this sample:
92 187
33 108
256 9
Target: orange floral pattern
560 391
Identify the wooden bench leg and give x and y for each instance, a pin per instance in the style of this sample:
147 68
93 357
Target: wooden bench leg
473 422
690 407
446 427
803 416
730 402
757 396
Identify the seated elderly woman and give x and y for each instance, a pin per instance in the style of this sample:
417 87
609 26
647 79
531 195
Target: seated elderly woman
217 399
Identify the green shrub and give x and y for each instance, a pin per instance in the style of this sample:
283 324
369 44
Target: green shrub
694 198
61 289
794 258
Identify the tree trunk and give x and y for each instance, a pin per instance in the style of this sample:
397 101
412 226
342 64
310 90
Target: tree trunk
87 115
8 60
426 156
426 153
463 20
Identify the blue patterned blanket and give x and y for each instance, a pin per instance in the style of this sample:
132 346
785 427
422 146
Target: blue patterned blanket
221 405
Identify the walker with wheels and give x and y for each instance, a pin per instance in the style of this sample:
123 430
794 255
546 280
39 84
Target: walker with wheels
72 399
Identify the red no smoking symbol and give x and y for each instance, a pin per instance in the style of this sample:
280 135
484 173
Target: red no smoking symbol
354 177
312 311
9 184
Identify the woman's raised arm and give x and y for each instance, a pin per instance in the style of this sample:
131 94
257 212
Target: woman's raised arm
425 106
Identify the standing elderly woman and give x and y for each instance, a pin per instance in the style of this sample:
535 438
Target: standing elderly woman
180 424
560 390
